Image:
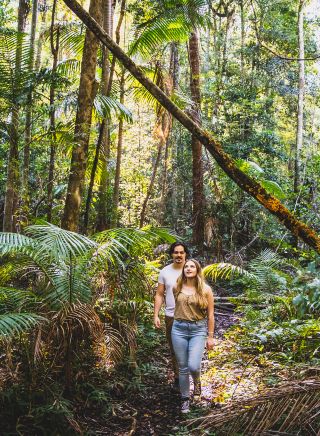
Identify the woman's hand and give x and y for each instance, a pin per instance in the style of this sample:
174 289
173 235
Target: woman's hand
209 344
156 322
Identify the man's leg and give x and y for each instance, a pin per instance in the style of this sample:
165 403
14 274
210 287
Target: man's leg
169 322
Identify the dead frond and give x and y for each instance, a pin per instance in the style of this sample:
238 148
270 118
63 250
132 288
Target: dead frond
279 410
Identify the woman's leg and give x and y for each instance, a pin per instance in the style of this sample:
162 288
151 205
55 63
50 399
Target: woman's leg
197 343
180 343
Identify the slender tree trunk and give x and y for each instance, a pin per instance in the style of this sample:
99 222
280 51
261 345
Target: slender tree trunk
246 183
28 125
162 131
198 203
43 13
299 137
92 177
103 125
54 44
174 73
242 38
87 91
116 189
103 216
12 185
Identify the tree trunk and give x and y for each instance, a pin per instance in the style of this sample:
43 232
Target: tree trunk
12 186
28 125
53 137
103 217
242 38
246 183
116 189
87 91
43 12
107 82
162 131
299 137
198 203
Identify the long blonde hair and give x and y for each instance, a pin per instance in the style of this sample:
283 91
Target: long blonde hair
201 298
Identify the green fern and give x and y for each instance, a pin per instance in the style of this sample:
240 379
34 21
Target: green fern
17 323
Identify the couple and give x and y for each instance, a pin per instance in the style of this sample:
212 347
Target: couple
189 318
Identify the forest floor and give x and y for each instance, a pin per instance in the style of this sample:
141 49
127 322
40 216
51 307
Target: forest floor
151 406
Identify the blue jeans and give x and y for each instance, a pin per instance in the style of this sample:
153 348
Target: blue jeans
188 339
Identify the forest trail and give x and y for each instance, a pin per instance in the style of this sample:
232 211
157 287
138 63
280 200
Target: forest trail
155 409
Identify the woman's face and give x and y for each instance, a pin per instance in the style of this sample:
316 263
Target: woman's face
190 269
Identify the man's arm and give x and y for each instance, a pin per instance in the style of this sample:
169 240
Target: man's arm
158 300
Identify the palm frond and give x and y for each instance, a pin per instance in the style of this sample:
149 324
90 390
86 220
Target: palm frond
14 243
106 106
71 36
69 67
174 23
225 271
135 241
12 299
13 82
59 243
76 320
16 323
163 30
69 284
284 410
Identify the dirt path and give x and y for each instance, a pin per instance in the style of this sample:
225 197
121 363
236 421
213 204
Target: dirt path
156 408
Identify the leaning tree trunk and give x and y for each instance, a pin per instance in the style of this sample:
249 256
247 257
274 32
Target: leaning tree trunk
246 183
54 44
198 203
12 185
299 136
28 122
87 91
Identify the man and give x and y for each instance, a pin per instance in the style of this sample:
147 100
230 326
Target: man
166 281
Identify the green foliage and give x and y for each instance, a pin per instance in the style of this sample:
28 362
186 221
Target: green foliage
287 323
171 21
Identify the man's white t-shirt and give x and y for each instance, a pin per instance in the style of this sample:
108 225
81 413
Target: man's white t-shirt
168 277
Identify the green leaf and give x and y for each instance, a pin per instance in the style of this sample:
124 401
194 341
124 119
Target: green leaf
273 188
16 323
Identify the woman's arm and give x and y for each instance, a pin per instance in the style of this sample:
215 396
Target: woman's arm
210 319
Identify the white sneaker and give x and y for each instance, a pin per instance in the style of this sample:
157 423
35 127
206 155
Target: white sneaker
185 405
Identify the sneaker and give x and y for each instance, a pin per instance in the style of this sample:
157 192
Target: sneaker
185 405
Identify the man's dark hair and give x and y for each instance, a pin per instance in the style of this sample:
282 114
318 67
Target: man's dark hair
176 244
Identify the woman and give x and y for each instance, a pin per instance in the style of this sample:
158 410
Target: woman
192 327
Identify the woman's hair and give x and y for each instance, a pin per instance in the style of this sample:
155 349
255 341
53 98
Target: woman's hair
199 284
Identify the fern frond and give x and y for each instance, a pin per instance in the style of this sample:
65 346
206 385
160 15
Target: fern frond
108 106
17 323
12 299
59 243
283 410
225 271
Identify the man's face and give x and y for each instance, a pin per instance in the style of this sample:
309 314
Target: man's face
179 255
